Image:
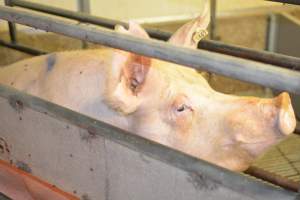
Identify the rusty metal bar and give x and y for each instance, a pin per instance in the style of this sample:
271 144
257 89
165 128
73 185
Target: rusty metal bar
261 56
246 70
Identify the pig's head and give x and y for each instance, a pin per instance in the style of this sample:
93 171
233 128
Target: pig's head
175 106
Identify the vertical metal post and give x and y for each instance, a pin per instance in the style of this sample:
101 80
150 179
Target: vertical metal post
272 33
11 26
213 6
84 7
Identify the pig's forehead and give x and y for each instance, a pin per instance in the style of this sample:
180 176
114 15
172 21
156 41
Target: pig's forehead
178 73
193 91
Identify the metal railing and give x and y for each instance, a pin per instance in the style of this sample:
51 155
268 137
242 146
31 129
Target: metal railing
246 70
295 2
261 56
22 48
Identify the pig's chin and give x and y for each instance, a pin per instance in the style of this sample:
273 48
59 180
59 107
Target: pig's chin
257 148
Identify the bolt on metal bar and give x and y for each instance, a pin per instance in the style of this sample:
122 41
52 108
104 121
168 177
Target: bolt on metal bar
246 70
261 56
11 26
22 48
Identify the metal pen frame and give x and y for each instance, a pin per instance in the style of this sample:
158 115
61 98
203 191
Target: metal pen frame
261 56
242 69
268 75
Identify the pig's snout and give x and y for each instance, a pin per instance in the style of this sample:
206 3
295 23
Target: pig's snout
286 119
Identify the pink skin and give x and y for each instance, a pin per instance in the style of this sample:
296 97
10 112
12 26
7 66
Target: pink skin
161 101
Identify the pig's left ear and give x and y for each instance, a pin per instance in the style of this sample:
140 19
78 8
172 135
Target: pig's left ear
127 75
192 32
134 29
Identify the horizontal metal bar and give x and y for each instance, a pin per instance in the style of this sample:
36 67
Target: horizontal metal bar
208 172
246 70
296 2
261 56
22 48
281 60
4 197
83 17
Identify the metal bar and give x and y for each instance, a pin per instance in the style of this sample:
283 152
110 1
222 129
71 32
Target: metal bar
11 26
273 178
4 197
12 32
213 7
206 171
84 7
83 17
261 56
22 48
246 70
281 60
296 2
272 32
297 130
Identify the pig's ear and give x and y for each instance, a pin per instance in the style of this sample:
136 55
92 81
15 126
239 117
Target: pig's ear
125 81
127 74
192 32
134 30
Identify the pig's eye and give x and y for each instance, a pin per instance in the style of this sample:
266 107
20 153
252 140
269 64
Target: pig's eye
182 108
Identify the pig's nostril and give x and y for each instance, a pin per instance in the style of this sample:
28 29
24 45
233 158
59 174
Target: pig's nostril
287 119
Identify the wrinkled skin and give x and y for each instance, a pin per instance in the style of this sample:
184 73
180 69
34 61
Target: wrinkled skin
161 101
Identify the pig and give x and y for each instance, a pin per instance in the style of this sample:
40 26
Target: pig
161 101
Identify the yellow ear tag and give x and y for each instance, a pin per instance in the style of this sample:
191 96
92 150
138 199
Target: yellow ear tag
199 34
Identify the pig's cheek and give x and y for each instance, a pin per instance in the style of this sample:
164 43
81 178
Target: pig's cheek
183 123
241 127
